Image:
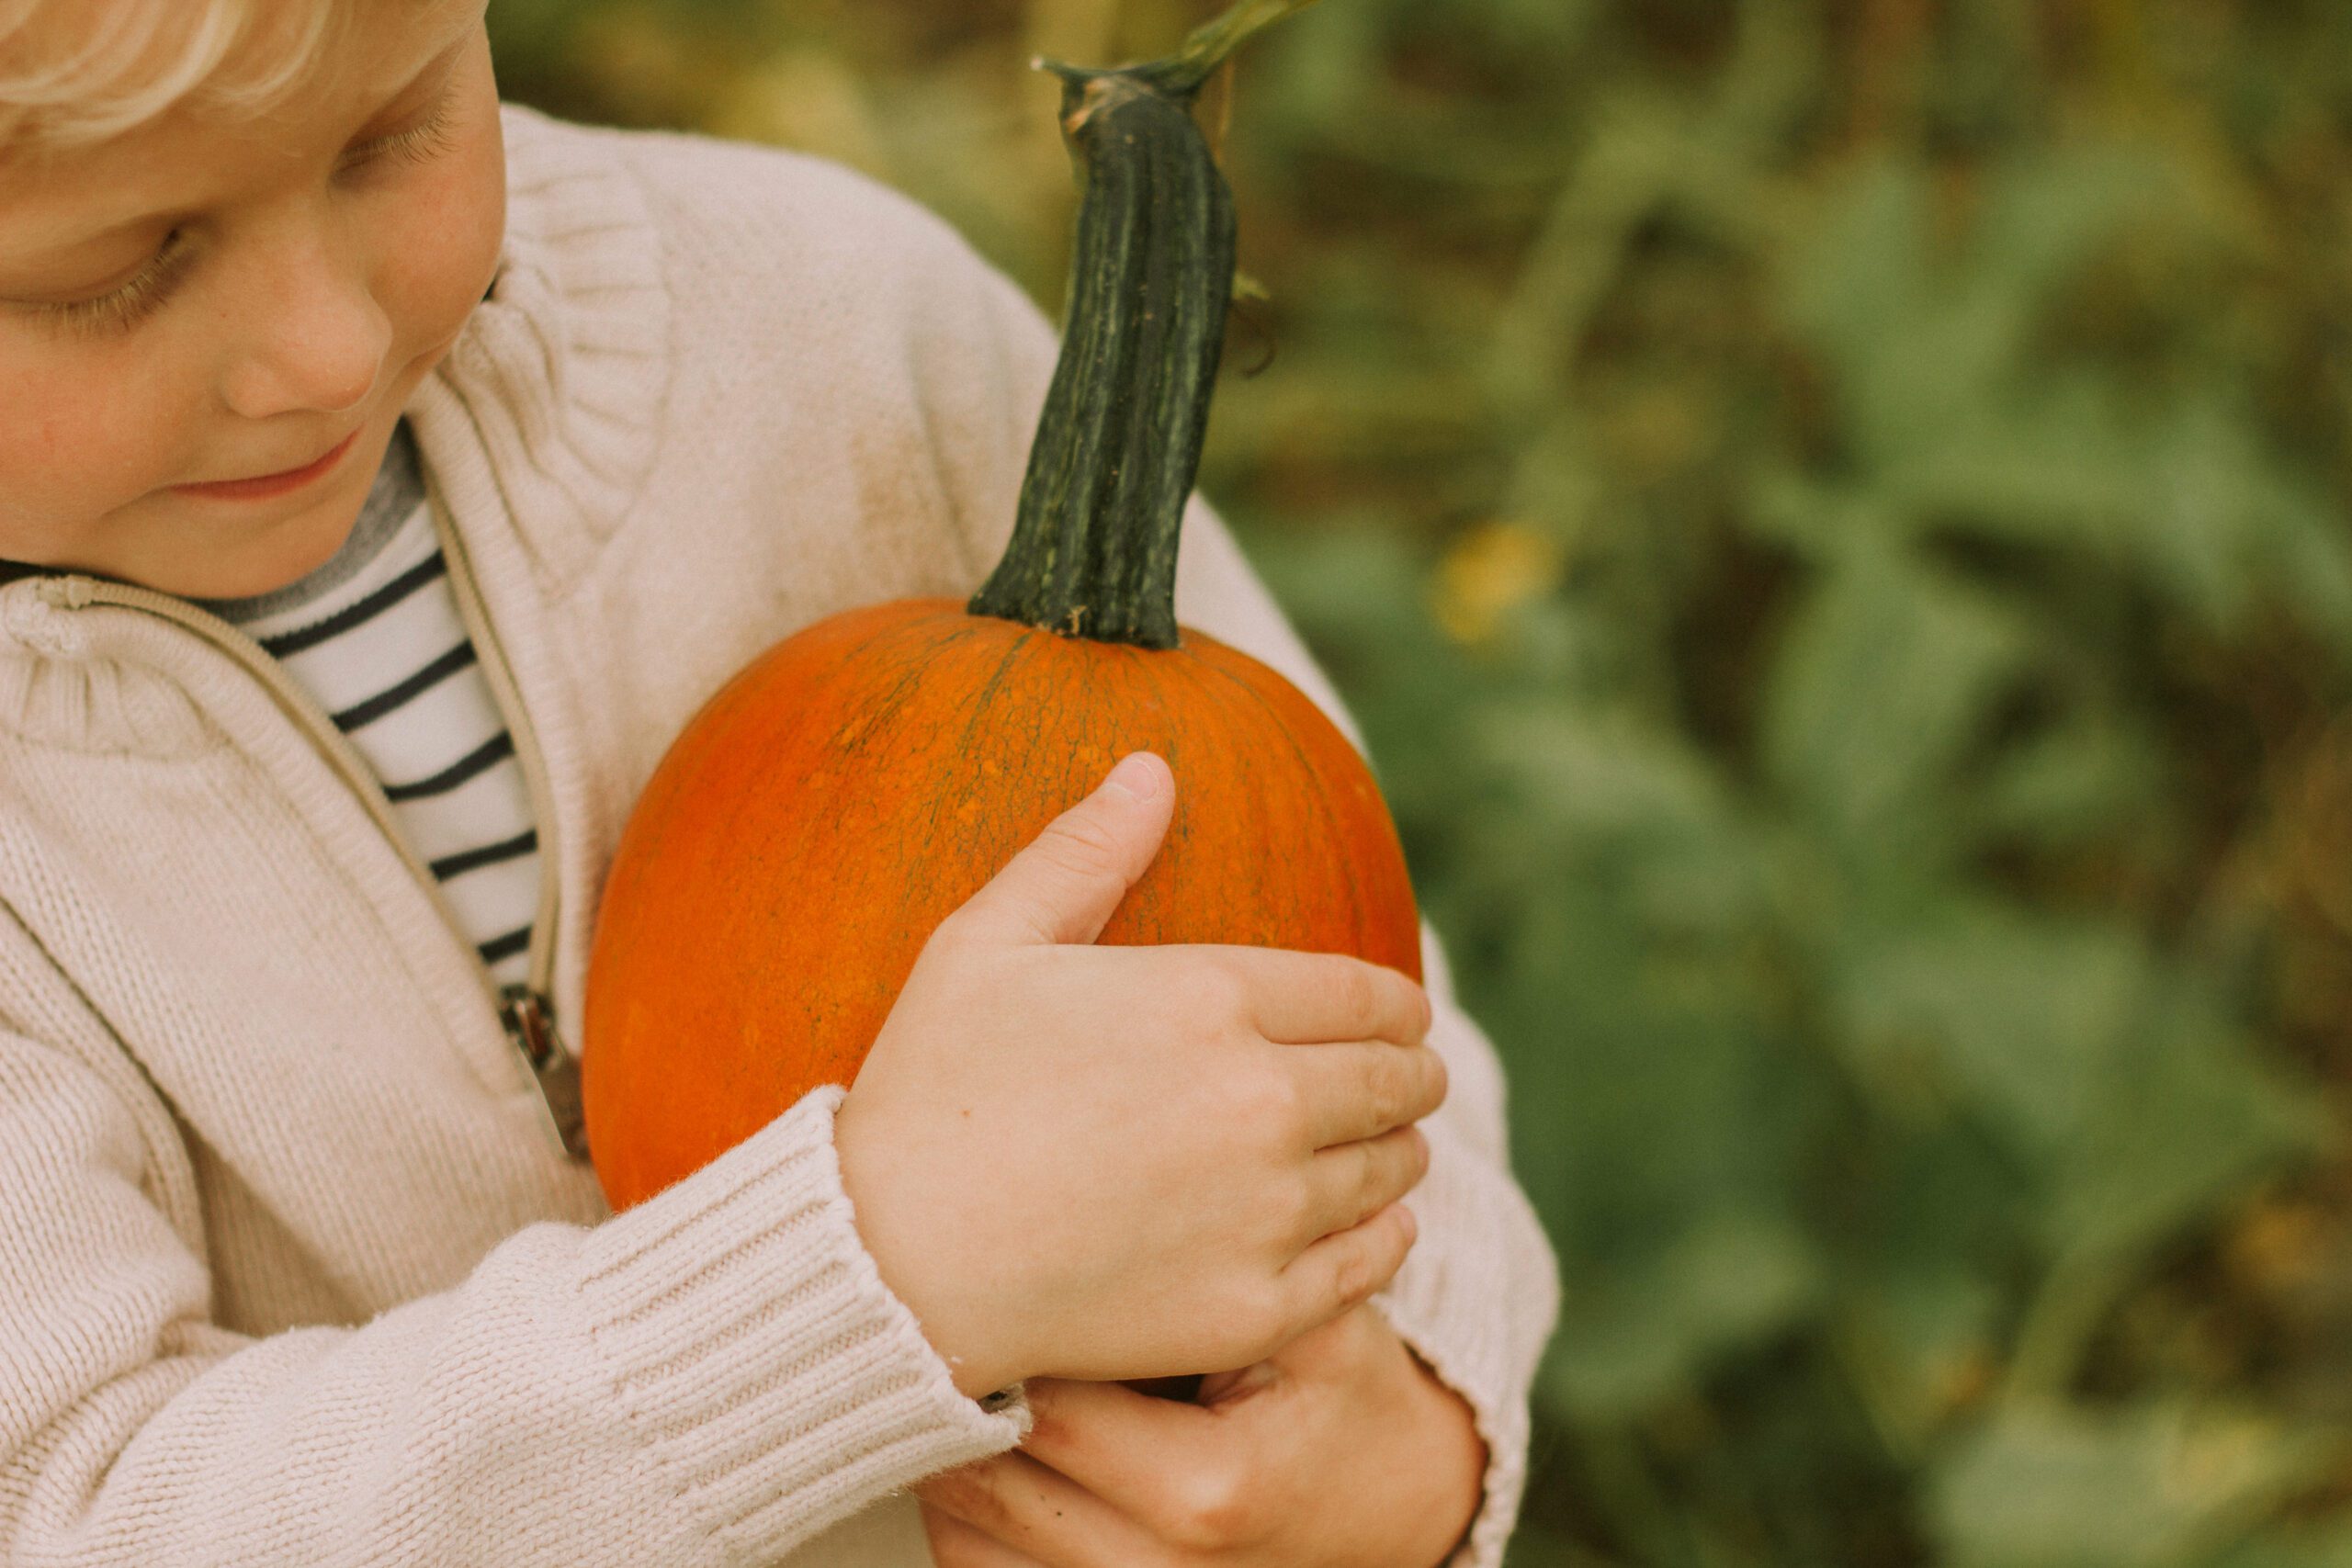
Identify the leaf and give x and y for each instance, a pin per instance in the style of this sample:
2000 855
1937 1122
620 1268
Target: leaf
2048 214
2057 462
2152 1484
1921 342
1884 677
2183 1114
1599 776
2308 1545
2184 1119
1860 276
1924 1215
2092 774
2224 521
1631 1337
2018 1013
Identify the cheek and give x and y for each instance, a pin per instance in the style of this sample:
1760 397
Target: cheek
451 226
84 429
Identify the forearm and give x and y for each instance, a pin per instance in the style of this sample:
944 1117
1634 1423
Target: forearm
714 1376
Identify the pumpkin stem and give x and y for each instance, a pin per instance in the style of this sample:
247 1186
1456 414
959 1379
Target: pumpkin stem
1118 445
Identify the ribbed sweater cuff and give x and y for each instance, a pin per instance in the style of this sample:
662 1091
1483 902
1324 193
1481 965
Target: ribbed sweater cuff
1476 1300
772 1376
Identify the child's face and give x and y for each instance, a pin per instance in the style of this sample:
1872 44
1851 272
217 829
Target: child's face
303 283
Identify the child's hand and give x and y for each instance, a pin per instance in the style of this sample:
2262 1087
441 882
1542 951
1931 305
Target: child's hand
1127 1162
1340 1451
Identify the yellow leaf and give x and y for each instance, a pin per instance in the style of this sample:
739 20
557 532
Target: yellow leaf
1495 569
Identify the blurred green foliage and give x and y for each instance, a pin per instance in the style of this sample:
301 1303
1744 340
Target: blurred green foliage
1832 515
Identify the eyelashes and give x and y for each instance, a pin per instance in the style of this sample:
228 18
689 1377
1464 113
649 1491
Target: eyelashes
132 301
143 295
418 144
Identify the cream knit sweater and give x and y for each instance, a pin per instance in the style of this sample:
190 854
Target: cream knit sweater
291 1270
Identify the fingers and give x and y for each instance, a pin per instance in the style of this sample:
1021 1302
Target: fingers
1346 1270
1354 1091
1310 998
1350 1184
1063 885
954 1544
1120 1445
1035 1510
1141 1481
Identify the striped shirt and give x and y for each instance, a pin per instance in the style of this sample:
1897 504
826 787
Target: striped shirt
374 635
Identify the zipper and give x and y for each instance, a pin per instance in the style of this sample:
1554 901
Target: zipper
528 1010
525 1010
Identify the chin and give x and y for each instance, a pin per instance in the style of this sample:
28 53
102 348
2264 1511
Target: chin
320 550
289 552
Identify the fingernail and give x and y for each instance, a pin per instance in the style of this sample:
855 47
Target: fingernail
1136 775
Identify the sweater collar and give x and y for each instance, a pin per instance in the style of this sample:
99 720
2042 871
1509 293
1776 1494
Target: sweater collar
561 380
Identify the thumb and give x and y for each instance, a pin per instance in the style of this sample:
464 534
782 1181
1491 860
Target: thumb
1064 885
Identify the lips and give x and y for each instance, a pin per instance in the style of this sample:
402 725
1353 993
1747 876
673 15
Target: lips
273 484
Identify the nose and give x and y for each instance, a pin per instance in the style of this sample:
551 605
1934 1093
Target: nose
314 338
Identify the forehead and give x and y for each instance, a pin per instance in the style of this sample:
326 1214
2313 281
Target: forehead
207 139
75 75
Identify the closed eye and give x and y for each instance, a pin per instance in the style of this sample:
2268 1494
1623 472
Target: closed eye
143 295
129 304
419 142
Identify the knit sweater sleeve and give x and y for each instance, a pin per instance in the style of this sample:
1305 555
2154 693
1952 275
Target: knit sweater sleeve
710 1378
1479 1295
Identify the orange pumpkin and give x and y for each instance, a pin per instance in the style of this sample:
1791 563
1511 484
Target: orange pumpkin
829 805
848 791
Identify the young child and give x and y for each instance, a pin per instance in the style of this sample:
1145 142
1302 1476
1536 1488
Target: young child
386 476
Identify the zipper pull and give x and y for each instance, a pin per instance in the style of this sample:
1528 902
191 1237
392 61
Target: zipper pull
70 591
530 1024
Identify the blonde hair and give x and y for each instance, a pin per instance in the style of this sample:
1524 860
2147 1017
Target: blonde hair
70 86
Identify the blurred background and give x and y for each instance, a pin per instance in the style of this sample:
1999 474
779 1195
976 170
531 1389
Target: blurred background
1832 515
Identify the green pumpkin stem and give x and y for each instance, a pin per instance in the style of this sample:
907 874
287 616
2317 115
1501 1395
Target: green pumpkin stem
1118 445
